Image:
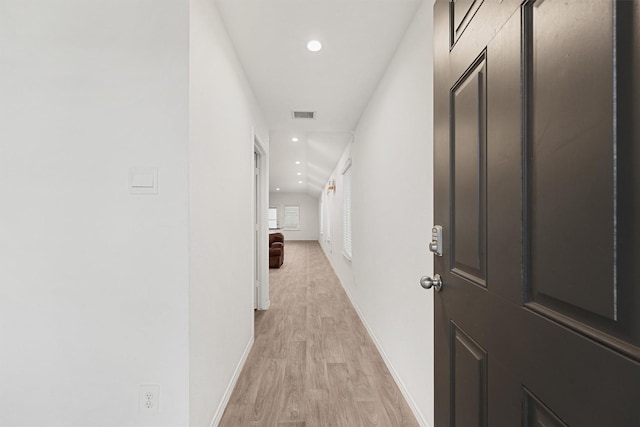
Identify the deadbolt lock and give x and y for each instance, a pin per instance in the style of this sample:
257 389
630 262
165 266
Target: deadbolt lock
436 240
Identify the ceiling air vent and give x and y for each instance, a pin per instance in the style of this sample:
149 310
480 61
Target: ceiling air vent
304 114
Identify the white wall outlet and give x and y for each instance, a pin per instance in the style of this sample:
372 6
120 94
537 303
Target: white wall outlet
149 399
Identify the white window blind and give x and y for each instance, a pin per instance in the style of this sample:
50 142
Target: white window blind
346 212
322 215
292 217
327 219
273 218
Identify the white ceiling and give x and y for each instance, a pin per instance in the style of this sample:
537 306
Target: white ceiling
359 38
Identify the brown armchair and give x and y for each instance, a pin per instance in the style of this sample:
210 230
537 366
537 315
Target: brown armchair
276 250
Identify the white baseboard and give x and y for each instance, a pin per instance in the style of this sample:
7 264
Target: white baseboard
265 306
403 389
217 417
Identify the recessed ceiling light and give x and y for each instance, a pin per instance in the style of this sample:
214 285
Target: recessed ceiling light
278 189
294 139
299 173
314 45
299 182
297 163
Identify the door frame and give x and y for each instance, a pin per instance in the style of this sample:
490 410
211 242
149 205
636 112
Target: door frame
260 195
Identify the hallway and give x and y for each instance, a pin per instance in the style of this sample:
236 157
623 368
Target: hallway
313 363
128 211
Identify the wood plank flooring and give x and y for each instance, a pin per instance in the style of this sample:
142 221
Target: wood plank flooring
313 362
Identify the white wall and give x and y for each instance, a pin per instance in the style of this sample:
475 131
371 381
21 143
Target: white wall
309 225
93 280
223 113
392 216
332 237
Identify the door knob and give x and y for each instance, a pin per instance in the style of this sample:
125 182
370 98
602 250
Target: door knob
428 283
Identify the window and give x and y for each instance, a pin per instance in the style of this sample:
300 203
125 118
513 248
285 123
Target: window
346 211
326 219
322 215
292 218
273 218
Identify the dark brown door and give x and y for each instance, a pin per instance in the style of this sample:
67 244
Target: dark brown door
537 175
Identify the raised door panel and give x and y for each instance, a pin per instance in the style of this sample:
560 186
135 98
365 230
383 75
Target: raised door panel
573 137
468 173
469 372
461 13
571 141
537 414
628 167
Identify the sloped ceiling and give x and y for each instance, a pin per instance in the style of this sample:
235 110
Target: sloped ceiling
359 38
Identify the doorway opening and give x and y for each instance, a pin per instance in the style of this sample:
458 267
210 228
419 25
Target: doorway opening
260 226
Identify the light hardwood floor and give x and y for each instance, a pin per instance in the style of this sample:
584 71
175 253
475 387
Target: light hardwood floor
313 363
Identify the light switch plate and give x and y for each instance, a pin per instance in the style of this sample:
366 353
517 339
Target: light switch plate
143 180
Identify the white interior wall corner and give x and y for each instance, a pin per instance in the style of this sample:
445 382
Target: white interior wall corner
224 114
